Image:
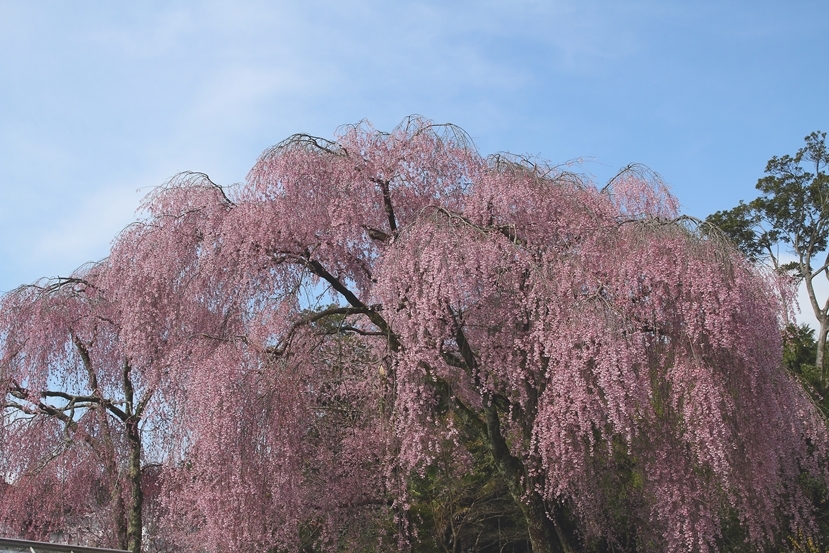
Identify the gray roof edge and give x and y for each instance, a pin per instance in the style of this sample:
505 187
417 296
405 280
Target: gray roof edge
57 547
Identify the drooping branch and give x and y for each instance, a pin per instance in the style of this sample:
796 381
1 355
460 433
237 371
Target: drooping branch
384 188
93 382
87 363
74 401
469 363
372 314
312 318
466 416
128 388
197 178
376 234
72 398
106 447
58 413
357 330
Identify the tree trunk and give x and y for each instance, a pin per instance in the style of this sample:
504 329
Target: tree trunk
821 347
134 515
117 496
546 535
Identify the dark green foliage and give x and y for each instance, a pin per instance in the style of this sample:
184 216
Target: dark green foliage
793 208
799 351
794 196
461 504
738 224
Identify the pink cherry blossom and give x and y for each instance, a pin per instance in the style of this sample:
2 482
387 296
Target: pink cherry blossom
317 334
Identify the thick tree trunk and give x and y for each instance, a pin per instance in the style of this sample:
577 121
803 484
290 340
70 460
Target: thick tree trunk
119 509
107 453
135 524
821 348
546 535
134 515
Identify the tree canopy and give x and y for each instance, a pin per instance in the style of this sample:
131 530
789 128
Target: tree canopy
792 211
75 397
330 330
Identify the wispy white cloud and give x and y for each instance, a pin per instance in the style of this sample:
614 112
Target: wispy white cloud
84 232
97 100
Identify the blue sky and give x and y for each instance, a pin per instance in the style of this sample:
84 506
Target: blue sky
101 101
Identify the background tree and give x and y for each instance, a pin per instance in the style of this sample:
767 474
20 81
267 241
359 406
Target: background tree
74 414
591 340
792 211
799 352
89 403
